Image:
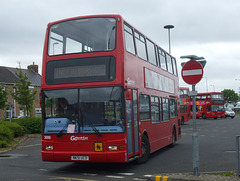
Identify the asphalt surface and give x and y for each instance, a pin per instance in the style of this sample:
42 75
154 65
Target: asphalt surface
217 148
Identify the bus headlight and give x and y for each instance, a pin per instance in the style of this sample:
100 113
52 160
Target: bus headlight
112 148
117 148
48 148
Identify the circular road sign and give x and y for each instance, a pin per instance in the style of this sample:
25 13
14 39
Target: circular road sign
192 72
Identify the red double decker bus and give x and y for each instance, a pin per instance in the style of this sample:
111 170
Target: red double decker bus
109 94
210 105
185 106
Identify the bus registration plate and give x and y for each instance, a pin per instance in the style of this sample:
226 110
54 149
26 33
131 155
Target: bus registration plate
75 157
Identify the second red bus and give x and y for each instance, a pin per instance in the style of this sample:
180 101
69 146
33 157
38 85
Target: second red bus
210 105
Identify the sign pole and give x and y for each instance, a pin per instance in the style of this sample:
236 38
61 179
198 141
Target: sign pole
192 73
195 138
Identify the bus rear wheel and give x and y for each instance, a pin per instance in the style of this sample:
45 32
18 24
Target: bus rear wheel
145 150
182 121
174 138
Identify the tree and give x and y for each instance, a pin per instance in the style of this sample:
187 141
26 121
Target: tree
230 95
23 94
3 98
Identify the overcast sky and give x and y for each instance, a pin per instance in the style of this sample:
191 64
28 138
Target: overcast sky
208 28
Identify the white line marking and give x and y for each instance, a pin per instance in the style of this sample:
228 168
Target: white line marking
90 174
113 176
126 174
31 145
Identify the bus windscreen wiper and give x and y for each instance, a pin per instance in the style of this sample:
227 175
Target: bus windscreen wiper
62 130
94 128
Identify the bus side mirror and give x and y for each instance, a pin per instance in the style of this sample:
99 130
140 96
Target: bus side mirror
128 94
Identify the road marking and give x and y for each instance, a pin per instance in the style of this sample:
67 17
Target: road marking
70 178
114 176
43 169
140 179
230 151
90 174
31 145
126 174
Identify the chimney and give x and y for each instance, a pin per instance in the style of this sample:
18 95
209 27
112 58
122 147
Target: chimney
33 67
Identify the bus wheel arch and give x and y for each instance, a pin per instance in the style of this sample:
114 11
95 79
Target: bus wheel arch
145 148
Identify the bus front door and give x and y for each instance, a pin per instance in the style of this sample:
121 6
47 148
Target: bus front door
132 124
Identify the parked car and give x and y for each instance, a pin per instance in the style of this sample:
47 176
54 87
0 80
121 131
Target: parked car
231 106
229 112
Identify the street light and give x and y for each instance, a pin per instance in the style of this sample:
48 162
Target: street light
206 83
169 27
213 87
238 88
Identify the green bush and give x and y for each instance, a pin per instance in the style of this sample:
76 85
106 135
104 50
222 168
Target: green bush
15 128
31 125
18 127
3 144
6 135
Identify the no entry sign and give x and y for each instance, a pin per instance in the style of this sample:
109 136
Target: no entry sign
192 72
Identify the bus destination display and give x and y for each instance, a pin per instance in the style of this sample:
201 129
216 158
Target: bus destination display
79 71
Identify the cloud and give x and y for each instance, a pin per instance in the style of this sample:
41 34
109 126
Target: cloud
202 27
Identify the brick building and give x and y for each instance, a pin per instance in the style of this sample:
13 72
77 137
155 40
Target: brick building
8 79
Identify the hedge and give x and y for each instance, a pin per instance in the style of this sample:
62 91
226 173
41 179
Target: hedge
18 127
31 125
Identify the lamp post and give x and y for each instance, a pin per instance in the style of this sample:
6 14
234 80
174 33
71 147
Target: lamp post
238 88
169 27
206 83
213 87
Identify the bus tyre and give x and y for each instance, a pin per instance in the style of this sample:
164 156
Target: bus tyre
182 121
173 138
145 150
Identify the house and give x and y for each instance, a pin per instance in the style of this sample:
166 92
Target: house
8 79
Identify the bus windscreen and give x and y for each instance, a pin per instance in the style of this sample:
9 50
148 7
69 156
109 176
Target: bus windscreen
82 35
